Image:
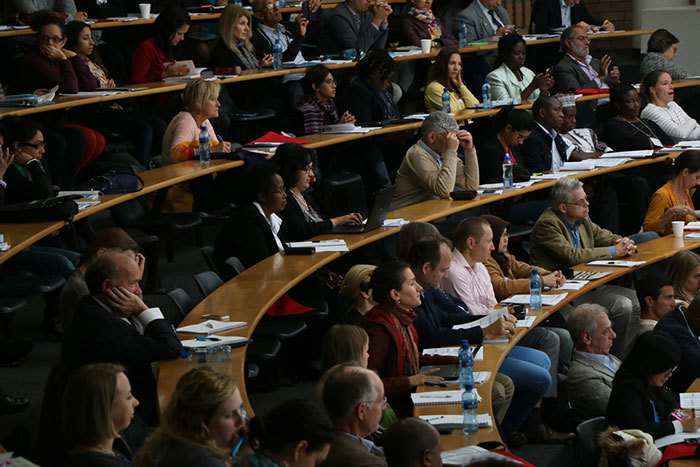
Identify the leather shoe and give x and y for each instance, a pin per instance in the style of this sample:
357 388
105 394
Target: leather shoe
9 404
544 434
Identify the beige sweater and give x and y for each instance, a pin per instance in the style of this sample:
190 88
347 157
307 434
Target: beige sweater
420 178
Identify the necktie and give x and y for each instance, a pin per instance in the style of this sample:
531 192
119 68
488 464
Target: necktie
495 19
561 147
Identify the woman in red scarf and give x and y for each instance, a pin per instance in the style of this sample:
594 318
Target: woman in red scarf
419 22
393 341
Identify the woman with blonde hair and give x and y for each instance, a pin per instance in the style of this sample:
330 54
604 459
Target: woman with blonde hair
233 48
97 404
201 424
684 271
355 291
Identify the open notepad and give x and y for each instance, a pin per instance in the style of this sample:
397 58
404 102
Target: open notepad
440 397
211 326
455 421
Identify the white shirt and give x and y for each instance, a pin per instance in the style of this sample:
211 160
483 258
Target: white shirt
565 13
285 40
274 222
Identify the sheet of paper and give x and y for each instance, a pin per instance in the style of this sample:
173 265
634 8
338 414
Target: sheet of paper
693 236
572 285
628 154
490 192
674 439
525 323
481 376
395 222
455 421
599 163
440 397
547 299
616 263
452 352
580 165
690 400
92 94
551 176
211 326
321 245
220 340
493 316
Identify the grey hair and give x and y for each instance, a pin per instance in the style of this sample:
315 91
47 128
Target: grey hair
561 191
346 386
439 122
568 35
584 319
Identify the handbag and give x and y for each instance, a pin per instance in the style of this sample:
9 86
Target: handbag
61 208
114 182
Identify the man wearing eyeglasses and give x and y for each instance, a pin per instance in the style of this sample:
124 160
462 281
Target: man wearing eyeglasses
565 236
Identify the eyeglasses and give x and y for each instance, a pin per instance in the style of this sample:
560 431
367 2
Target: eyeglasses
272 5
46 38
582 202
383 401
39 145
308 168
331 82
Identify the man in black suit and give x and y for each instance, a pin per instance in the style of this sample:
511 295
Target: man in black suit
350 25
683 325
550 14
113 324
545 149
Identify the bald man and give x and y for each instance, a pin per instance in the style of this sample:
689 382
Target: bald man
412 442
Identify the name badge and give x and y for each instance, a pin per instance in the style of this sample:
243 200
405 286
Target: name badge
656 142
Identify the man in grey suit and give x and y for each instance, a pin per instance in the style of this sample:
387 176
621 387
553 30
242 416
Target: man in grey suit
486 20
592 367
351 26
354 399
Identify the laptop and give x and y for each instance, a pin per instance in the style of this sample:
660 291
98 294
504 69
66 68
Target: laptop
382 203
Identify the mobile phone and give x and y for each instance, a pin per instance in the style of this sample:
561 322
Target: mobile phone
305 10
216 317
679 414
548 71
463 194
300 250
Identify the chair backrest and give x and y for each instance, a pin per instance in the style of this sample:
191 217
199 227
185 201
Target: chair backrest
207 282
587 433
182 302
208 252
166 305
234 267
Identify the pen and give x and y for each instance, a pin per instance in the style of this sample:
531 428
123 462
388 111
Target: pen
432 419
237 447
203 338
538 174
430 383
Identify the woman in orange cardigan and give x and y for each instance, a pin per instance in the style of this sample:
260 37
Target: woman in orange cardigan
673 201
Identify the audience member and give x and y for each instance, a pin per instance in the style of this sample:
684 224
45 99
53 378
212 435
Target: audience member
356 292
370 97
683 326
411 234
393 341
26 178
657 88
148 61
112 239
655 295
638 399
554 14
181 138
582 143
296 433
418 22
513 128
301 214
351 26
317 107
545 149
446 73
140 131
254 231
684 271
97 405
201 424
234 48
65 8
564 236
413 442
354 399
114 325
510 78
626 131
661 49
673 202
431 168
486 20
592 369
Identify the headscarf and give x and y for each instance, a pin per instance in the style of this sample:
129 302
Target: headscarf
427 17
498 226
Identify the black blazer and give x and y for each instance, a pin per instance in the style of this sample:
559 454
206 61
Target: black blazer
362 101
674 324
223 57
536 151
96 335
263 44
491 155
21 188
546 15
629 406
298 228
247 236
436 316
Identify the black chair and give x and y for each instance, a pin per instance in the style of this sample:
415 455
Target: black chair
182 301
207 282
263 349
150 245
166 306
208 254
8 307
233 267
587 433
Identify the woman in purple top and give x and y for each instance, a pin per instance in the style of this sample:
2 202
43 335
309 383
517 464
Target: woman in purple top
418 22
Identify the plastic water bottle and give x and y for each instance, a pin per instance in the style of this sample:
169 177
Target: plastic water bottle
446 100
507 173
466 365
282 3
535 290
470 423
462 34
204 153
277 55
486 95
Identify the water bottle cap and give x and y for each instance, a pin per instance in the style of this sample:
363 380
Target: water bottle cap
486 81
534 271
446 90
465 343
204 128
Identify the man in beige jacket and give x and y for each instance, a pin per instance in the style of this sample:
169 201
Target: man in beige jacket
431 168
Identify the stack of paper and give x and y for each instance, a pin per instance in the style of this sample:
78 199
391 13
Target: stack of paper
455 421
347 128
524 299
439 397
452 352
486 321
525 323
490 192
392 222
690 400
572 285
191 73
321 245
29 100
628 154
610 162
615 263
588 164
211 326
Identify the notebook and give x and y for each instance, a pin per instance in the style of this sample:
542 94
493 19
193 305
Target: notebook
455 421
439 397
211 326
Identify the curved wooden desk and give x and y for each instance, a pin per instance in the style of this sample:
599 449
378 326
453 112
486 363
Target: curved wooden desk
248 296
